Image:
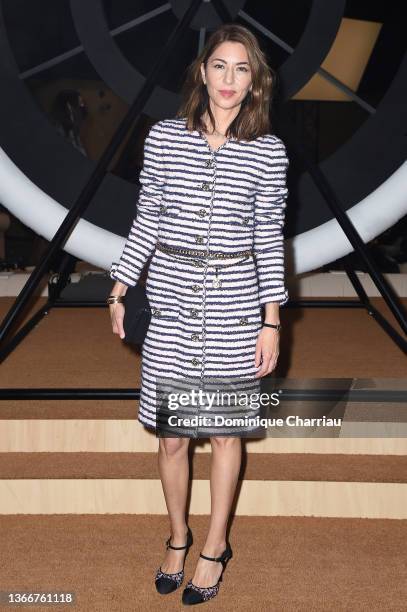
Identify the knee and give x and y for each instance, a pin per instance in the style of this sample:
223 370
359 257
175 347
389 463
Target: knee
173 446
224 442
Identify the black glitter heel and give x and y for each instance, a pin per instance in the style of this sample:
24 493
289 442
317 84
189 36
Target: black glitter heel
167 583
193 594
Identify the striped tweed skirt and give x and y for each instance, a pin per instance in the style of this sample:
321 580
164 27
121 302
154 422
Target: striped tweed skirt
198 357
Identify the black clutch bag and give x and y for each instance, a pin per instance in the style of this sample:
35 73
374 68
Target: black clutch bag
137 315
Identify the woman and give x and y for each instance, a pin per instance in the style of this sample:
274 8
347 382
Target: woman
211 214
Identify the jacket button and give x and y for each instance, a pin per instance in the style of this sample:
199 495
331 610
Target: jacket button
156 312
209 163
245 221
194 313
202 212
196 288
198 263
199 239
163 209
206 186
195 337
195 361
244 321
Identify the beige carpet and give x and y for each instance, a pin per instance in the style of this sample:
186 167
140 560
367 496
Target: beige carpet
279 564
255 466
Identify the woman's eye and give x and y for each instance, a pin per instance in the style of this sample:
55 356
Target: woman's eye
241 68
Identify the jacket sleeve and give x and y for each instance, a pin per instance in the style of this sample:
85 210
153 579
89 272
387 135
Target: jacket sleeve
143 234
269 216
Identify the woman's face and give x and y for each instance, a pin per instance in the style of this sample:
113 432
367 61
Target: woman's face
228 75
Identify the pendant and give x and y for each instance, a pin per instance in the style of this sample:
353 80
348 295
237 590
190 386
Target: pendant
216 283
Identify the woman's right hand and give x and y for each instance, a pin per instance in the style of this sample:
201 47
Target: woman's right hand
117 317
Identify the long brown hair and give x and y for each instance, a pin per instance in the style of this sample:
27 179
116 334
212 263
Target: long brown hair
253 117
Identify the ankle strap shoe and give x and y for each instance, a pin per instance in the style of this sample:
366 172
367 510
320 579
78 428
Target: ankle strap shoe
194 594
167 583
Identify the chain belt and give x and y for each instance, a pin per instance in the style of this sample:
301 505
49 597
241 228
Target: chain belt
204 254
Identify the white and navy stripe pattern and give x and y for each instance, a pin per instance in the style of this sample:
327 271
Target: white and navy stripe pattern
227 200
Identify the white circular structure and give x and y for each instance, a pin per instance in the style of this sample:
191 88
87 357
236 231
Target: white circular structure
374 214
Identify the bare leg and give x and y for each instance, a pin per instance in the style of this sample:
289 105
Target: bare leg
225 466
174 473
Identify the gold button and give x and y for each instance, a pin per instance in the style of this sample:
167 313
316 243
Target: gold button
195 361
244 321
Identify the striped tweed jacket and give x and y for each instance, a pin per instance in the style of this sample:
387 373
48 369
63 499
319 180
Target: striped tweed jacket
205 318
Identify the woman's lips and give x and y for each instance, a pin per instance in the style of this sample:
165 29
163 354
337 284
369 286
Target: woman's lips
226 93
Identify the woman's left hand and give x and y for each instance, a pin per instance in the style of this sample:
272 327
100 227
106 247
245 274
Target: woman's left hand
267 350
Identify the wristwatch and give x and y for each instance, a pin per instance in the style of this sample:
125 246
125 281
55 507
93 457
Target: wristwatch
276 326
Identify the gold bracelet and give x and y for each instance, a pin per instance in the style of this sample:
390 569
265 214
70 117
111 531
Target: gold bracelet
114 299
